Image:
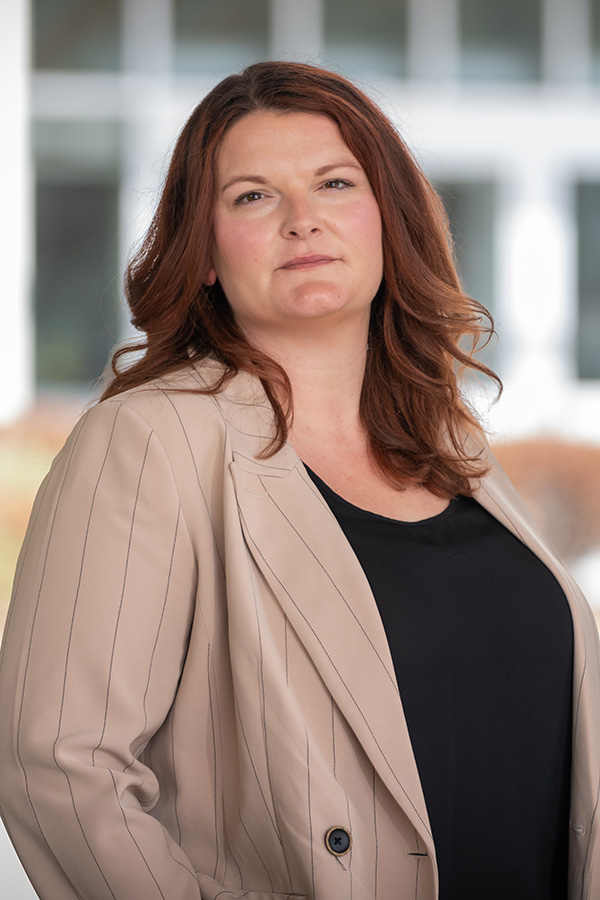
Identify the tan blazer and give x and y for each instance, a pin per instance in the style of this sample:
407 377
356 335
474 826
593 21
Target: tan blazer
196 685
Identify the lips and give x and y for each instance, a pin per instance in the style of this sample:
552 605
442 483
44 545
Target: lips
307 262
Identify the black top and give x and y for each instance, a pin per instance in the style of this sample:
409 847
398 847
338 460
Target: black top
481 637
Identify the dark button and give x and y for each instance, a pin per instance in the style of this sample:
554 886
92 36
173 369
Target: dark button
338 840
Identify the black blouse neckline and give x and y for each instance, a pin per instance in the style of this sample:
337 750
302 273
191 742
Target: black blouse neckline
335 498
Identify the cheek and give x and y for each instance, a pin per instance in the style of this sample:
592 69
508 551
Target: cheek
364 222
369 235
237 247
225 240
373 222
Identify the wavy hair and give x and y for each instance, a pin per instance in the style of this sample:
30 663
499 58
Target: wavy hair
411 404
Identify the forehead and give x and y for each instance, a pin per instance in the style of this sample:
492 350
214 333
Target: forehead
266 138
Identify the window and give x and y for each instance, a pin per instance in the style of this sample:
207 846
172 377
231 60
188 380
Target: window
219 38
500 41
588 331
76 34
369 38
595 36
470 207
77 290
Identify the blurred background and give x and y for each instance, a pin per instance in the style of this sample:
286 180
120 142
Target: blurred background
499 100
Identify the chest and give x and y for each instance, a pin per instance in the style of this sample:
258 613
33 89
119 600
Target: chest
352 474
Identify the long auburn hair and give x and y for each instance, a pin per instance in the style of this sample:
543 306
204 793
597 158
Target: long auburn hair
411 403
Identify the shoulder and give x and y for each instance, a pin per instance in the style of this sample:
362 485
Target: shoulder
172 411
199 380
185 417
180 394
154 397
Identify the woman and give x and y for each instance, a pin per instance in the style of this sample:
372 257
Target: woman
280 626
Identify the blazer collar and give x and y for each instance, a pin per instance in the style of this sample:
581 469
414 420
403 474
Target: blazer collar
249 420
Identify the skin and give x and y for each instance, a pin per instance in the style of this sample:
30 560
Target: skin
297 227
298 252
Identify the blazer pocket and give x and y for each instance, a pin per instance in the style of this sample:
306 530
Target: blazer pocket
212 890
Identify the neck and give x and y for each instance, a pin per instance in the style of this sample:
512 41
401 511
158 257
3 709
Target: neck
326 371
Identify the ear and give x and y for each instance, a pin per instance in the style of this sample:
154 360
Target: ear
211 277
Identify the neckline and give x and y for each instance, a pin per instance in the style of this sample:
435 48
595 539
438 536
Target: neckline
324 488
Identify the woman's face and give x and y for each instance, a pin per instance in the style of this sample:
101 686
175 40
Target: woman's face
297 227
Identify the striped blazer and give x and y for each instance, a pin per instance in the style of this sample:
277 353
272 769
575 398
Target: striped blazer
195 684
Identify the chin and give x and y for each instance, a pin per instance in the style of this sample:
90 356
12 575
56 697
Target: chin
317 303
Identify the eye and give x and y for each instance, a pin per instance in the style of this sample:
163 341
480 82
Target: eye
249 197
337 184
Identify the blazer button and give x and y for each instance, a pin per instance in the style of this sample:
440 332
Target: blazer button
338 840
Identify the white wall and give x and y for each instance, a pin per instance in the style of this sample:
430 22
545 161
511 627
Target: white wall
14 884
15 221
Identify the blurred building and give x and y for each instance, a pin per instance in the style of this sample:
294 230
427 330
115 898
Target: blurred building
500 99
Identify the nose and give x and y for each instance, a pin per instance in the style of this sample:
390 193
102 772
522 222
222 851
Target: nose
301 219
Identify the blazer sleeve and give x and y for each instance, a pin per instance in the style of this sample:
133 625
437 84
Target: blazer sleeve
94 646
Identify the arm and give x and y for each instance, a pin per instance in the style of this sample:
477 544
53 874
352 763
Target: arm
94 647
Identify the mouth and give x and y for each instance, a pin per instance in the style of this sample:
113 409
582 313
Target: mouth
308 262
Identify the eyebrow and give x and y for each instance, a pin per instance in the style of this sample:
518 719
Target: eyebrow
323 170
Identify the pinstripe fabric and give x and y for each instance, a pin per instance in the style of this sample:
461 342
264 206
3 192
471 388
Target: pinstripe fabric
195 684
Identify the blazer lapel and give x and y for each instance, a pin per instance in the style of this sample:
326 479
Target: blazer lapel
314 573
